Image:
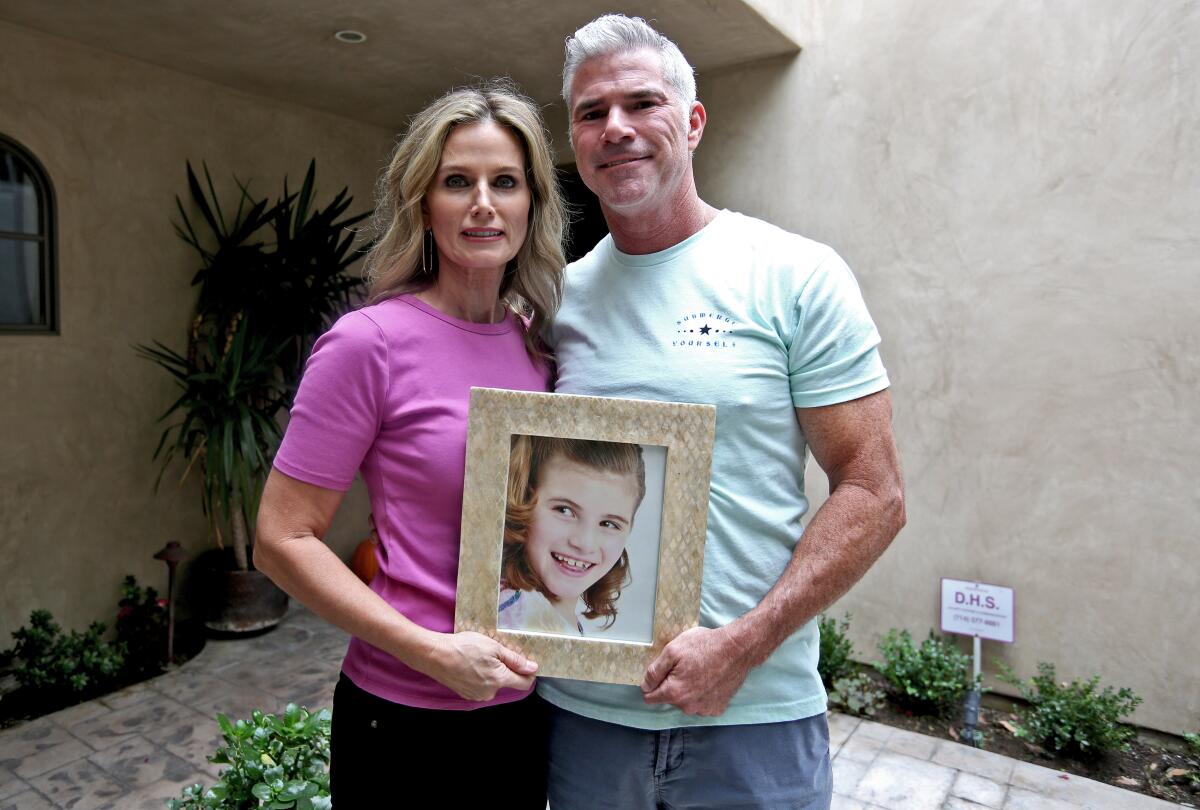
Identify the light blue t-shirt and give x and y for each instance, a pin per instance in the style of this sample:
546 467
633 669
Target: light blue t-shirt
758 322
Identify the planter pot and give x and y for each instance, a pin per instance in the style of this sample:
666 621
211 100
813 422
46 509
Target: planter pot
233 601
244 602
364 563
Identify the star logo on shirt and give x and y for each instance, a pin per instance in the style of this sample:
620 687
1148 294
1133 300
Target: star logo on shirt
709 329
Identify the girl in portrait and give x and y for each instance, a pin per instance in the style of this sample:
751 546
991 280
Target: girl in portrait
571 507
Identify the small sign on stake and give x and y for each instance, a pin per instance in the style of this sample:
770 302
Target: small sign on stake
981 611
976 609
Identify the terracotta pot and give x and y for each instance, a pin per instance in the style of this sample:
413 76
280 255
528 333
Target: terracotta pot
365 563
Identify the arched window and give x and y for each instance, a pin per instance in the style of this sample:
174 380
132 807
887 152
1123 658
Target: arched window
28 267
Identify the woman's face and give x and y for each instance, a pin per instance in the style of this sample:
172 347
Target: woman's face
580 523
478 203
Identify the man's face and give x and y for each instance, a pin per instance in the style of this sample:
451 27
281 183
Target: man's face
631 134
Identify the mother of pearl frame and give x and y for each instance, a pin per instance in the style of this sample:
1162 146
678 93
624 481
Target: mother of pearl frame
686 430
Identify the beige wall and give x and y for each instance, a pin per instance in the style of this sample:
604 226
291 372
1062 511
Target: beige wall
78 411
1015 183
1018 187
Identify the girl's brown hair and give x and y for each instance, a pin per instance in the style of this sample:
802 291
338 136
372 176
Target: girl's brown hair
529 454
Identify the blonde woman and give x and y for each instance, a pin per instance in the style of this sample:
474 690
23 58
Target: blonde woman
465 272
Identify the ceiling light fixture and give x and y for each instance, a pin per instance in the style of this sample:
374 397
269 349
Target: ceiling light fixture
350 37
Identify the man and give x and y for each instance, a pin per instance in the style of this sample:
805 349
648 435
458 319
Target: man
688 303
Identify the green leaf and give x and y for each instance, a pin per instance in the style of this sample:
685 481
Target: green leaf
273 298
300 789
200 200
215 199
306 192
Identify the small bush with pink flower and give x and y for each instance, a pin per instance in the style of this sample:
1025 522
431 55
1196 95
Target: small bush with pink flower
56 667
142 628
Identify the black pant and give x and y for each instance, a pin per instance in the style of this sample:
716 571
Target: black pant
386 755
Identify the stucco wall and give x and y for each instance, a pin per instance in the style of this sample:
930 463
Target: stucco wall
78 411
1017 185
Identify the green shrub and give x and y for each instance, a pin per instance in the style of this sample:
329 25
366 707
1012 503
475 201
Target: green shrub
273 762
1073 718
836 649
857 694
929 679
142 628
61 666
1193 762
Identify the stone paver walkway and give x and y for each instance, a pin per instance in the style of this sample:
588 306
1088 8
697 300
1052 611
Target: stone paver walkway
877 766
136 748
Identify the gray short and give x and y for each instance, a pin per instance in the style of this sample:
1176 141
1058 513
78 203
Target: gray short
769 765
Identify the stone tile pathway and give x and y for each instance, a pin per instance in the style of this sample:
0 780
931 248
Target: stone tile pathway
136 748
877 766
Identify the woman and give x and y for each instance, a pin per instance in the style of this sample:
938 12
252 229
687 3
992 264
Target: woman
571 507
472 227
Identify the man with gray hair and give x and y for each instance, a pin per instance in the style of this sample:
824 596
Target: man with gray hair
683 302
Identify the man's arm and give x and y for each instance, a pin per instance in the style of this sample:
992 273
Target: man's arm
701 669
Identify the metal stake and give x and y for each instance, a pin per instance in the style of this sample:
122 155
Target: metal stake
971 734
172 554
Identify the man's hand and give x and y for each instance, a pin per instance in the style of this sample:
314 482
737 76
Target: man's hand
699 672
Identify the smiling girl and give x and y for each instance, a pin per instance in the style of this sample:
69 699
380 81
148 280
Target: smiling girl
571 506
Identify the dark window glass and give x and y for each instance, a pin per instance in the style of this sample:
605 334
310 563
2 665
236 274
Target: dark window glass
28 274
18 197
20 279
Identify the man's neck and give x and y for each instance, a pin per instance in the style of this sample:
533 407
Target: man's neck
638 234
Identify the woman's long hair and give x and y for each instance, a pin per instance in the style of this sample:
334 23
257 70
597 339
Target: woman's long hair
532 284
529 454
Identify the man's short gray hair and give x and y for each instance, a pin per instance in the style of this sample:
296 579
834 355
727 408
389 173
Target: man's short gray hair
616 33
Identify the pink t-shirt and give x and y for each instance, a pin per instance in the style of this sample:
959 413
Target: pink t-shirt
386 392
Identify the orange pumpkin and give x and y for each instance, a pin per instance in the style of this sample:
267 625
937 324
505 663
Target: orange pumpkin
365 563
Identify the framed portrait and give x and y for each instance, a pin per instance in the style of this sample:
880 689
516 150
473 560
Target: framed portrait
583 528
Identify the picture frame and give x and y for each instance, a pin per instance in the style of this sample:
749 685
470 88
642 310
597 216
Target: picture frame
671 444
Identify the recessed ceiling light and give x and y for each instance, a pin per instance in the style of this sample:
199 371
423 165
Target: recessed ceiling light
350 37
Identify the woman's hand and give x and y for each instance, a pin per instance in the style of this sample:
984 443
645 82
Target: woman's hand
291 518
477 667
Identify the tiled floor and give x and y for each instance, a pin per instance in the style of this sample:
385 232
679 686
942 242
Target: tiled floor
136 748
877 766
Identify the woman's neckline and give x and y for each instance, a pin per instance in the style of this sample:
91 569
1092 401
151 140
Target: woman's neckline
503 326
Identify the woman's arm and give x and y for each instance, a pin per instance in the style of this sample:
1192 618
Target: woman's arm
292 520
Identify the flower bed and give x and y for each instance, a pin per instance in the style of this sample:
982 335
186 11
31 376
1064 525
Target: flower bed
49 669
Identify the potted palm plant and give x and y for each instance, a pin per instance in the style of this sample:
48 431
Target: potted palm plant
272 278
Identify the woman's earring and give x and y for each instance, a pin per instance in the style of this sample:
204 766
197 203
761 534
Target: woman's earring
426 238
